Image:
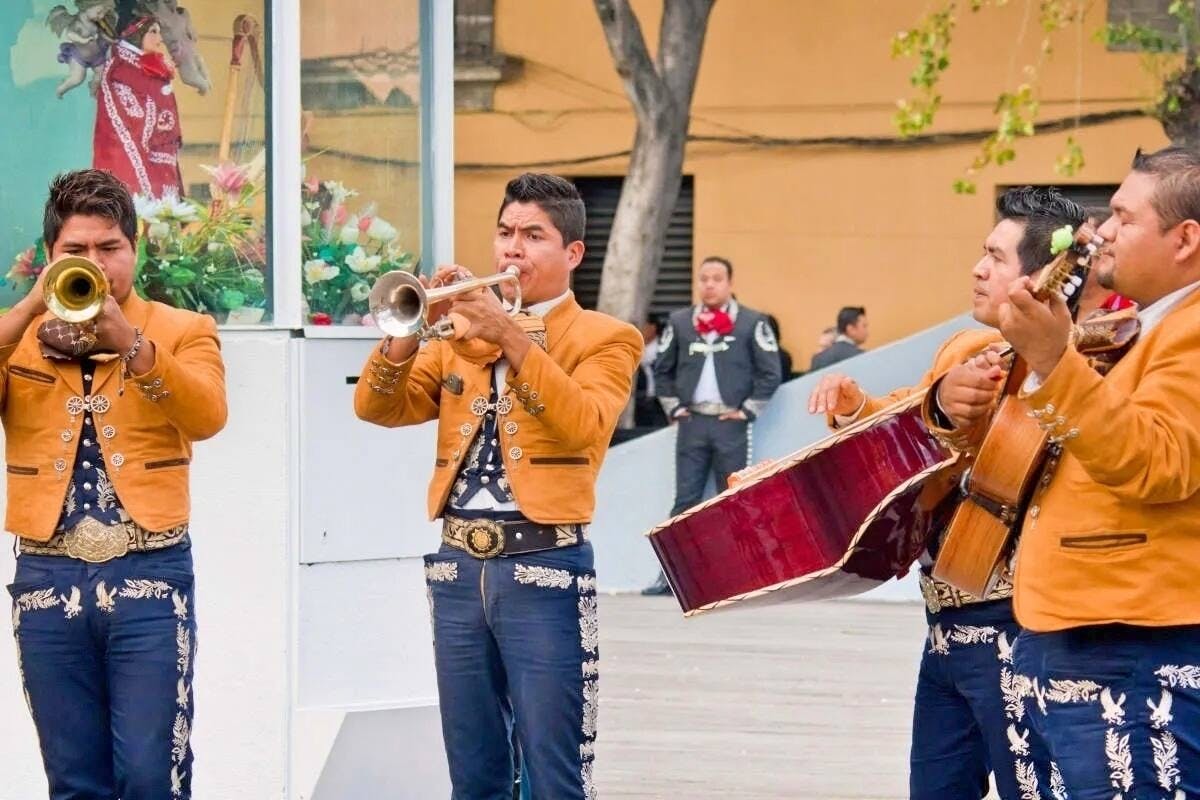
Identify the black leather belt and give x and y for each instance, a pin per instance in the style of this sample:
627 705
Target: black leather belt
488 538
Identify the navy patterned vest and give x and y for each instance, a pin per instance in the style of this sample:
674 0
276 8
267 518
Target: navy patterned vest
91 493
483 468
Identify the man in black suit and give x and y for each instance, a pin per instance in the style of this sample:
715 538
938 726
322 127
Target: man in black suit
852 333
718 365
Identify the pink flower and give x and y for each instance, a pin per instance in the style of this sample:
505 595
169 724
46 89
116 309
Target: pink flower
321 318
334 216
312 185
229 178
364 222
23 265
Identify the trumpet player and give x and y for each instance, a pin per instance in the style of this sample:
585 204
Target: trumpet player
525 407
100 416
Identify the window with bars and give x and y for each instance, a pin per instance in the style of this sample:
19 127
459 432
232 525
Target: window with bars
673 289
1152 14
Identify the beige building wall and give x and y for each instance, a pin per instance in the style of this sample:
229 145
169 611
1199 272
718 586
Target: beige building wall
808 230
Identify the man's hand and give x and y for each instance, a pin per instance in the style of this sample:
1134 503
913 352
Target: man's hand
1039 332
489 320
836 394
967 392
738 415
111 329
679 414
33 304
444 275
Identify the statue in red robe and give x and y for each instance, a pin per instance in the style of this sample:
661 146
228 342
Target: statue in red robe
137 136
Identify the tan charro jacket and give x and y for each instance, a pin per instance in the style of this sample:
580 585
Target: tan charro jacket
147 432
565 404
956 350
1115 536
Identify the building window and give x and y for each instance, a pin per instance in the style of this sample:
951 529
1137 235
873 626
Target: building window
361 95
161 100
673 289
478 67
1152 14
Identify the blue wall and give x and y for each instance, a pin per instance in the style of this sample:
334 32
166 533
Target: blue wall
42 134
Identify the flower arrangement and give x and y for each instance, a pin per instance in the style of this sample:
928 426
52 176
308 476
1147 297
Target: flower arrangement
206 258
212 258
343 253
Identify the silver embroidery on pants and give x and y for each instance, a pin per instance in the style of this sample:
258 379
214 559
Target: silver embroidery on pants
441 572
543 577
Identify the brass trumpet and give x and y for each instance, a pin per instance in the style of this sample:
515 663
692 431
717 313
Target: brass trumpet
400 304
75 289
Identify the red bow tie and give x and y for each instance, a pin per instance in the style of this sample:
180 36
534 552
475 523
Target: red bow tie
713 320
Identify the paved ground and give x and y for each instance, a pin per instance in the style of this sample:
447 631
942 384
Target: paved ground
808 701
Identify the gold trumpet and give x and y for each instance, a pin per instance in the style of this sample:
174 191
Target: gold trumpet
75 289
400 304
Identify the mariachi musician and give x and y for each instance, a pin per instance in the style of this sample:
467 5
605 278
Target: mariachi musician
961 723
1106 589
100 417
525 408
717 368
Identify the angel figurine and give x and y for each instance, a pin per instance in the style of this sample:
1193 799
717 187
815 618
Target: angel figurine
87 35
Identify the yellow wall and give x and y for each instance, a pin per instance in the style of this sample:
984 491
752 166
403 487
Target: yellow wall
808 230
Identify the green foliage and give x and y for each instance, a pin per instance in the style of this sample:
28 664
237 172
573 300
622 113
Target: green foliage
1016 110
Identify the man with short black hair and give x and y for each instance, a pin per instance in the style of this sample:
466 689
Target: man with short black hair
1108 663
851 335
717 368
967 718
526 408
100 418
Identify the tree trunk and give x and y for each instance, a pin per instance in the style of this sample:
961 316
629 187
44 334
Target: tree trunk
1183 124
661 94
635 245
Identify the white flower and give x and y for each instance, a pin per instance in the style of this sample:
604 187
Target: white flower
360 262
360 291
171 206
158 230
317 270
381 230
349 234
147 207
338 192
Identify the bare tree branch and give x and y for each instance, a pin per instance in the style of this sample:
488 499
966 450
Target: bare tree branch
680 43
628 47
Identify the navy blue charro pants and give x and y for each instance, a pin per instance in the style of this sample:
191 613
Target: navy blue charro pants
106 654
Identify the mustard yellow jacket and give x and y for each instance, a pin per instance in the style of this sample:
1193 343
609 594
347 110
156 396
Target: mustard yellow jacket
566 401
1115 536
146 433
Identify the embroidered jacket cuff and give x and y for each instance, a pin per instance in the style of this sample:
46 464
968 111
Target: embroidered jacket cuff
1061 402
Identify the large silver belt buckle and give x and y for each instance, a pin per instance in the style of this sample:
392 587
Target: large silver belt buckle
484 538
95 542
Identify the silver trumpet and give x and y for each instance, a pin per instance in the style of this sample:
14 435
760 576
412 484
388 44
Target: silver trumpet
400 304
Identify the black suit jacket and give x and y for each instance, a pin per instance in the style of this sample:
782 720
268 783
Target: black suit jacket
838 351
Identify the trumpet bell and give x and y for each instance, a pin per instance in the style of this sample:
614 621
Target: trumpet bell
75 289
397 304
